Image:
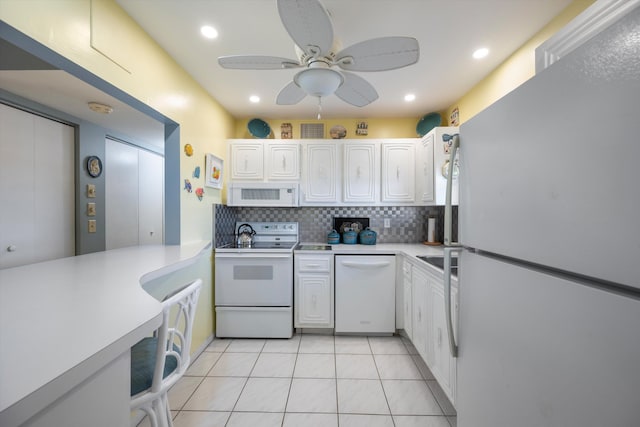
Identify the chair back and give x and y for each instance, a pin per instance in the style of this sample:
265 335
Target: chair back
174 335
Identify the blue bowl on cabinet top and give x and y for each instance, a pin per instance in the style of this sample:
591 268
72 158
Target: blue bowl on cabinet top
349 237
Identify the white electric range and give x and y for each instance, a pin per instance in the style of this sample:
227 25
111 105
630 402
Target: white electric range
254 284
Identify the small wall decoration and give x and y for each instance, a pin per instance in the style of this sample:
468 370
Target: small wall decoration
454 119
187 185
188 150
362 128
199 193
286 131
213 176
196 172
94 166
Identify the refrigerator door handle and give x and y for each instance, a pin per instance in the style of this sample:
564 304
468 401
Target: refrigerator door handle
455 143
453 346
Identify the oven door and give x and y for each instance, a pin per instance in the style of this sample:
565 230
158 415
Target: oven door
254 279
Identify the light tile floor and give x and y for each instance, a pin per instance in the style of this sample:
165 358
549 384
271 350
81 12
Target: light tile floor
308 381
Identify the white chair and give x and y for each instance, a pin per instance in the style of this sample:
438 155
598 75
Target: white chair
158 362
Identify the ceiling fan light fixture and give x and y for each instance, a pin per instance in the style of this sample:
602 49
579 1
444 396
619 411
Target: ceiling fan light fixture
319 81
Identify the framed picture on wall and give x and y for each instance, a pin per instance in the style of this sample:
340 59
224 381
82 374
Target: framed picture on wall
213 167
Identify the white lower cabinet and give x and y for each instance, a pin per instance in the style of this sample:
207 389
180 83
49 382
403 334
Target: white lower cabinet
420 329
407 300
313 291
443 365
428 331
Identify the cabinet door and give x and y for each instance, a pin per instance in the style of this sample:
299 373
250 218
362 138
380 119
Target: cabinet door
320 173
247 161
443 364
283 161
360 172
398 172
424 170
314 301
420 294
408 305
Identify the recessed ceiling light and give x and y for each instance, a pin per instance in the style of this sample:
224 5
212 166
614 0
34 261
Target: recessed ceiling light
254 98
208 31
481 53
409 97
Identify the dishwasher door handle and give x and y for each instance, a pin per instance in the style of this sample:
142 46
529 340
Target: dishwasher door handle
364 265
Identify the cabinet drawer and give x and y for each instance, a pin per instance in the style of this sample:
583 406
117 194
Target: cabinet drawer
314 264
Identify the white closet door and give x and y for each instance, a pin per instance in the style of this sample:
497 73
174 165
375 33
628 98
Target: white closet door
151 195
36 188
121 195
55 210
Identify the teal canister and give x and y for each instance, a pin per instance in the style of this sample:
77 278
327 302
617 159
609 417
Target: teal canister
367 237
333 238
349 237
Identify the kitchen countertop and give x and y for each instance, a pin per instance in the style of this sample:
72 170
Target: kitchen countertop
62 320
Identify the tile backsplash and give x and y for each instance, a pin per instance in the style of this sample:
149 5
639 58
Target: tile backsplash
408 223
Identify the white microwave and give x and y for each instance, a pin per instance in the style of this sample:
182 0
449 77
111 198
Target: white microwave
276 194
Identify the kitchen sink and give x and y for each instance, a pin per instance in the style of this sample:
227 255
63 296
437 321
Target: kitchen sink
438 261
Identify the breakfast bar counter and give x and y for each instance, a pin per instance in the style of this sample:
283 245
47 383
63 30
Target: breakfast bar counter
64 321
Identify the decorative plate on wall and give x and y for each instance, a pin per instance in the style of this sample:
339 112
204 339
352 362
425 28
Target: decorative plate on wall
338 132
428 122
258 128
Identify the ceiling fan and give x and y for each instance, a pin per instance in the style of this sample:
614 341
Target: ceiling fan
309 25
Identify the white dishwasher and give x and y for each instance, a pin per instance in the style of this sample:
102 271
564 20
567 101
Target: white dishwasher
365 294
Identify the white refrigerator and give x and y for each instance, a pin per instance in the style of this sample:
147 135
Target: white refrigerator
549 263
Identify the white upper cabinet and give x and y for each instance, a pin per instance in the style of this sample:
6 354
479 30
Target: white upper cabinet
345 172
320 174
282 161
361 176
436 146
424 171
253 160
247 160
398 172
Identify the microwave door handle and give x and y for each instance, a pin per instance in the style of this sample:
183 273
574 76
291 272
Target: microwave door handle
448 219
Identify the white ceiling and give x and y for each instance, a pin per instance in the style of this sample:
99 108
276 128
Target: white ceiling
448 32
61 91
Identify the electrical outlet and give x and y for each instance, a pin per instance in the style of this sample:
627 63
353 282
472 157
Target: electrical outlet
92 226
387 223
91 209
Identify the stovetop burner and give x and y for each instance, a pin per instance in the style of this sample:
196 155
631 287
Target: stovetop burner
269 236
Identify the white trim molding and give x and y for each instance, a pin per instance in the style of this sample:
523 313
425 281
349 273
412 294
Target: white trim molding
592 21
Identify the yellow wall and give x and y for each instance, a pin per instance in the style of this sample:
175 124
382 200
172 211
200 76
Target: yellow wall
517 69
377 128
100 37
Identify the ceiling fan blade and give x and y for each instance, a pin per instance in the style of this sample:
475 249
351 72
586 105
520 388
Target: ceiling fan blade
356 91
290 94
256 62
381 54
308 24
